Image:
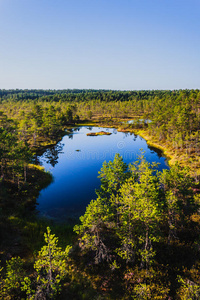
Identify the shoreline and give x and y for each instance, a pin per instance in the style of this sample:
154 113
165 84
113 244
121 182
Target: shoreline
35 225
172 155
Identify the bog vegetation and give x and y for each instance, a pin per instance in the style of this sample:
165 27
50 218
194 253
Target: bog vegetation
140 237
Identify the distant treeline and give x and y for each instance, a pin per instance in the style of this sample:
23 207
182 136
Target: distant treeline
90 94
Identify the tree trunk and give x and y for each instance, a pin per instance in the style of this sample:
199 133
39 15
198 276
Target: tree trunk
25 173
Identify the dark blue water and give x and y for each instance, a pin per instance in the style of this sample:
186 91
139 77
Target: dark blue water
75 162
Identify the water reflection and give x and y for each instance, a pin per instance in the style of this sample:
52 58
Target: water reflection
76 163
76 129
52 154
134 137
153 150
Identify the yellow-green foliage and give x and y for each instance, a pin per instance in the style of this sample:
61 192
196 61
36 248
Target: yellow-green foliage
11 285
146 285
36 167
99 133
51 268
189 290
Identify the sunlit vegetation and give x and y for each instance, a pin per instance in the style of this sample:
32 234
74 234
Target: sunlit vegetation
99 133
139 239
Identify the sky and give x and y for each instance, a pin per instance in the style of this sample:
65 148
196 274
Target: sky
100 44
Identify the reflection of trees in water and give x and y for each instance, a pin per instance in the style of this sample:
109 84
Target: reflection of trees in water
134 137
126 134
89 127
70 136
36 160
153 149
52 154
76 129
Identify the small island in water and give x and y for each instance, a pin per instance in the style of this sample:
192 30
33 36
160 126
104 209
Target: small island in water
99 133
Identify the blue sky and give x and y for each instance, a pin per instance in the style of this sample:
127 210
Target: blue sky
100 44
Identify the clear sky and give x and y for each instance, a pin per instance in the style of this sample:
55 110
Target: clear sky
100 44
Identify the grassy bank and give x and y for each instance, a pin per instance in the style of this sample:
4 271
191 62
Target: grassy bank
173 155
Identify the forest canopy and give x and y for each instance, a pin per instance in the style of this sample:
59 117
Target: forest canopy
139 239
